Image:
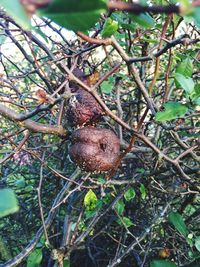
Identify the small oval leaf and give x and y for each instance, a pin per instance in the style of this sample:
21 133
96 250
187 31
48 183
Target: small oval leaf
130 194
90 200
143 191
110 27
186 83
173 110
119 207
127 222
106 87
185 67
8 202
177 220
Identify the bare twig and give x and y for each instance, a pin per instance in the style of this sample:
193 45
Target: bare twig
137 8
30 247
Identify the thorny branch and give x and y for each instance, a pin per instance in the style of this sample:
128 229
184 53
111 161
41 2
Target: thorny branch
159 167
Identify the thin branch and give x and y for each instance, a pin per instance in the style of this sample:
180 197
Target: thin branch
157 63
29 124
30 247
135 75
158 219
137 8
169 45
94 40
40 201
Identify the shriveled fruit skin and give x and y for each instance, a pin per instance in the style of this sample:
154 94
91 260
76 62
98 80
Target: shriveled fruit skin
94 149
83 109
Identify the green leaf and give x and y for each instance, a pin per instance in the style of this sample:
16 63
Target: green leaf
196 16
90 200
35 258
173 110
20 183
106 87
28 188
107 198
162 263
144 20
8 202
66 263
127 222
185 82
189 241
177 220
17 12
119 207
130 194
131 27
121 19
101 180
76 15
150 40
143 191
195 95
90 213
197 243
109 28
185 67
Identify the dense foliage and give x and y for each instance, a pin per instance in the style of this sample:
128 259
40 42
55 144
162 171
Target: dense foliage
141 63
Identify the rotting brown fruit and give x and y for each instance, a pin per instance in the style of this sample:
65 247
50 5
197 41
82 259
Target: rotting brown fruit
94 149
83 109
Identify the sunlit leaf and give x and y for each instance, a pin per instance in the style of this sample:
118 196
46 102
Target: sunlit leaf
90 200
125 221
110 27
17 12
185 67
173 110
186 83
8 202
106 87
